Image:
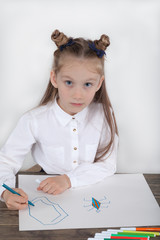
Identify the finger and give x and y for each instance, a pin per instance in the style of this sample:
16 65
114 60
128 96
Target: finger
22 206
19 199
17 206
22 193
10 198
46 188
16 202
51 190
57 191
43 183
38 188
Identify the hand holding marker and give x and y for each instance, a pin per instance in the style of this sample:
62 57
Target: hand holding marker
14 192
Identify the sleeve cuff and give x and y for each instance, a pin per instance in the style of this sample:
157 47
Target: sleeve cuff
72 180
10 183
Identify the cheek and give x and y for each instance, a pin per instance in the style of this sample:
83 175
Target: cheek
63 93
90 94
93 91
60 89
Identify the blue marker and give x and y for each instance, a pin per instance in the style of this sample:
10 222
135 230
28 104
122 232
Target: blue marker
12 191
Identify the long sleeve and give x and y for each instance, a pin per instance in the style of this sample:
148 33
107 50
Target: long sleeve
13 152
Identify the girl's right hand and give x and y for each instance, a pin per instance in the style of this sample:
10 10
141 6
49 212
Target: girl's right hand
14 201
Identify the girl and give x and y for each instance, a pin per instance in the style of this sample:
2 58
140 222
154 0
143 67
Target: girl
73 131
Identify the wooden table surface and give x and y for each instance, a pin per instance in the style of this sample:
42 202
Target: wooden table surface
9 226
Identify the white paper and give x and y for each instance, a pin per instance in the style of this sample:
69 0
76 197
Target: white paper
125 200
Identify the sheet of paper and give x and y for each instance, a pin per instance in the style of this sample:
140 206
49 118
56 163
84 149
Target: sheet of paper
119 200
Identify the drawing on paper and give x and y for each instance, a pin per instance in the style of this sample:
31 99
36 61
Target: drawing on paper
96 203
46 212
93 203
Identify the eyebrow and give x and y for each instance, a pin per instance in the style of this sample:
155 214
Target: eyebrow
65 76
91 79
87 80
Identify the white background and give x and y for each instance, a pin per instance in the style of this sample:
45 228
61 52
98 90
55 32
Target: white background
132 70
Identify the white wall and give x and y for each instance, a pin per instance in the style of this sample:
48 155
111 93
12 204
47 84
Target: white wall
132 71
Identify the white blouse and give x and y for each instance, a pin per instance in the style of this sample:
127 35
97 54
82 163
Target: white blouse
60 144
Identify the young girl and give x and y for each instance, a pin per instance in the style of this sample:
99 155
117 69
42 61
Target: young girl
73 131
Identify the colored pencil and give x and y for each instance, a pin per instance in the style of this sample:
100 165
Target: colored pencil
155 233
129 231
120 237
115 236
130 235
155 229
104 238
141 233
14 192
135 234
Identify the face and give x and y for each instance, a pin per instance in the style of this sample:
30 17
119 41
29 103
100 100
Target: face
77 82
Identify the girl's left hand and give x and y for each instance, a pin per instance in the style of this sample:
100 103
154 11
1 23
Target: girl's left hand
55 185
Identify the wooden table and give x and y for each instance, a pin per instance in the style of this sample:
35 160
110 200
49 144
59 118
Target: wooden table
9 226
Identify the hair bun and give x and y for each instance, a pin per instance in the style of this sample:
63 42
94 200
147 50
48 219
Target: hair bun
59 38
103 42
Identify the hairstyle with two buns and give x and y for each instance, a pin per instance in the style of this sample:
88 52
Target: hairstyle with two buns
80 48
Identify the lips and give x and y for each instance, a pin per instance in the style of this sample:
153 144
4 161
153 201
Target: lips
77 104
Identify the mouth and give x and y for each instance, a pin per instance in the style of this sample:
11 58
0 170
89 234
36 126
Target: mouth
77 104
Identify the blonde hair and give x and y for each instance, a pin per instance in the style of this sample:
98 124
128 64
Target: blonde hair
80 48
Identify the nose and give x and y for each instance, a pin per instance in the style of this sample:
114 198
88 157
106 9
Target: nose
78 93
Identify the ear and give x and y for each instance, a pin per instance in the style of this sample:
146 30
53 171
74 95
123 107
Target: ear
53 79
100 83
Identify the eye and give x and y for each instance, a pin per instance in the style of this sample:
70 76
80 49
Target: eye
88 84
68 83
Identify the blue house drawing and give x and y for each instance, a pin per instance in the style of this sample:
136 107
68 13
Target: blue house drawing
48 213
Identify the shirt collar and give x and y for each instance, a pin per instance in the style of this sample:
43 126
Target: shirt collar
64 118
